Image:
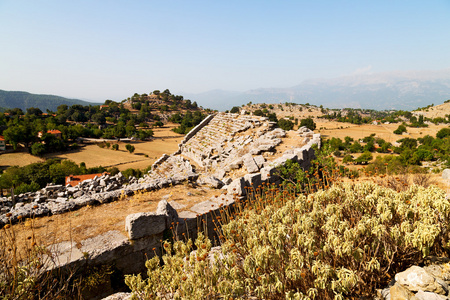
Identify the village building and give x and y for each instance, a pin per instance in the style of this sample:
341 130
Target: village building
54 132
2 143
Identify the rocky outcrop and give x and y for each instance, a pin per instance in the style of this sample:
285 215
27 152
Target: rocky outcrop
430 282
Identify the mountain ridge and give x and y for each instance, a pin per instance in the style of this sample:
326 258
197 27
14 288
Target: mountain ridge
389 90
24 100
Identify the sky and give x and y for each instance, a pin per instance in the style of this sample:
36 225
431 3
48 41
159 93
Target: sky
98 50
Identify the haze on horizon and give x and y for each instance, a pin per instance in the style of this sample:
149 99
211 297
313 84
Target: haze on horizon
98 50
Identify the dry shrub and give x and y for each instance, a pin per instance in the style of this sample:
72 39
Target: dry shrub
24 270
422 179
340 243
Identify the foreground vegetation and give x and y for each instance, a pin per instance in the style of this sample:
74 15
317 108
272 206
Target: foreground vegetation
334 244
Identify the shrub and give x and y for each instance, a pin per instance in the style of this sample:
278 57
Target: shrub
115 147
129 147
444 132
309 123
285 124
347 159
331 244
400 129
235 110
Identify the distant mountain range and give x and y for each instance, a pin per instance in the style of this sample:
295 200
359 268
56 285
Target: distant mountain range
24 100
393 90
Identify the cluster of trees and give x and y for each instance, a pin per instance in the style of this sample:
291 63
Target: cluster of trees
410 151
37 175
108 121
187 121
365 116
172 102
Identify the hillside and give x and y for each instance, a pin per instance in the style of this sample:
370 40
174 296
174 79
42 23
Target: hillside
24 100
438 111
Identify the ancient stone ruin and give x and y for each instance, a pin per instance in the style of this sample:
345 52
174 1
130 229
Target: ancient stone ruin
228 152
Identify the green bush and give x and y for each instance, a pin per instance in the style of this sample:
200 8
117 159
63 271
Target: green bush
400 129
309 123
285 124
333 244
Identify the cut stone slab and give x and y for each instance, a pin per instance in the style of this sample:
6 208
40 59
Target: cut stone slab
140 225
106 246
62 254
250 163
204 207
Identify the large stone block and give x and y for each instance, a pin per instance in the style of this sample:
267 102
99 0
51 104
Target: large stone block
140 225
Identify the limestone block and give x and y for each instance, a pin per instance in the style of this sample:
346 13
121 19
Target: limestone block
253 180
106 247
164 208
62 254
237 187
259 160
416 279
204 207
250 163
140 225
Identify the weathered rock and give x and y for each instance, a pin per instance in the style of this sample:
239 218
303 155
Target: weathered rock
237 187
118 296
446 174
210 181
399 292
416 279
140 225
259 160
421 295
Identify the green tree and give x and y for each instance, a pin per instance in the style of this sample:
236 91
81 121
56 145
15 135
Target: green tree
309 123
400 129
235 110
364 158
130 148
444 132
38 149
285 124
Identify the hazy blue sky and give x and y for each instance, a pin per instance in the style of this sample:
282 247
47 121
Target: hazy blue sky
99 50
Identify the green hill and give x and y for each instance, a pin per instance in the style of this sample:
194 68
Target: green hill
24 100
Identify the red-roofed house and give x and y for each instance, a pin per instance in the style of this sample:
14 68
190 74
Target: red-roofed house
74 180
55 132
2 143
103 106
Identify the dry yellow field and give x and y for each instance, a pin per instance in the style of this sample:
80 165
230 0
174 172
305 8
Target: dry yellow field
17 159
385 131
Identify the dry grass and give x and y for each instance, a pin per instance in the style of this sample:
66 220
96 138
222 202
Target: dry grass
18 159
384 131
95 156
91 221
